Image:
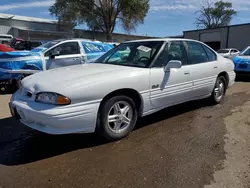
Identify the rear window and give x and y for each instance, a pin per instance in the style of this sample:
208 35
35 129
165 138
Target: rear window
223 51
5 37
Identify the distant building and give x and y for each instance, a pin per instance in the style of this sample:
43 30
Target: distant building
234 36
176 36
30 28
100 36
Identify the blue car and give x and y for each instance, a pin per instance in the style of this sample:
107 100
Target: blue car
242 62
54 54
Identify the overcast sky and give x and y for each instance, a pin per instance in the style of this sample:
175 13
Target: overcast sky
165 18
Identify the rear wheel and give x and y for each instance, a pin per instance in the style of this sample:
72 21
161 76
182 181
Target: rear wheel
219 91
117 118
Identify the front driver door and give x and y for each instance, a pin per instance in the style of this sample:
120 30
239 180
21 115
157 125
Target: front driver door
69 54
168 88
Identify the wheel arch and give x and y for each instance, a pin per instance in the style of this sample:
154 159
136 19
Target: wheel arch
225 75
132 93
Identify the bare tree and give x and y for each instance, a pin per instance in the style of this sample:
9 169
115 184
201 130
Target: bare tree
215 15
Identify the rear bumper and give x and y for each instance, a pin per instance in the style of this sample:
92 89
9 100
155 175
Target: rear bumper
232 76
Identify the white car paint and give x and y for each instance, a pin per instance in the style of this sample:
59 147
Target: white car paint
86 86
229 53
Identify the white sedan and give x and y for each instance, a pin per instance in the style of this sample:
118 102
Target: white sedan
229 53
134 79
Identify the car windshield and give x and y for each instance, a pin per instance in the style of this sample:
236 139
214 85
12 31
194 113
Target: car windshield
246 51
47 45
134 54
223 51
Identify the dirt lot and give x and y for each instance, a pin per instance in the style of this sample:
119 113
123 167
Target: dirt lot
187 146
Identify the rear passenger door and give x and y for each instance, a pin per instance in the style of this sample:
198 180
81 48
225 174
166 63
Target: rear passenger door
203 66
69 54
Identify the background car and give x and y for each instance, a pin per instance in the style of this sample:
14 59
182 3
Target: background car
229 53
50 55
5 48
5 39
60 53
242 62
14 41
27 45
134 79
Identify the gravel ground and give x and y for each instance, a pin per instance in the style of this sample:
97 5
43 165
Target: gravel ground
186 146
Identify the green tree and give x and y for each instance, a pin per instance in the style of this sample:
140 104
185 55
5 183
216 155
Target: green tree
101 15
217 15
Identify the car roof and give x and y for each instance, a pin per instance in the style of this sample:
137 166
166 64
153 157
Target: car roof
6 35
163 39
228 49
73 40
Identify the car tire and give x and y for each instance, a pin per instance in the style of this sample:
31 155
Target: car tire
117 117
219 90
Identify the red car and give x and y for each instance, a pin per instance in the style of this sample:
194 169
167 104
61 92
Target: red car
4 48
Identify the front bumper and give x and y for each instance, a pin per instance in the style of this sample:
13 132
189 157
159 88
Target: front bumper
76 118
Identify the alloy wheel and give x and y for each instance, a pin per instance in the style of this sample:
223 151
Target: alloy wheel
120 116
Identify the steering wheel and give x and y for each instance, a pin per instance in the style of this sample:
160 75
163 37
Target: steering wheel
143 58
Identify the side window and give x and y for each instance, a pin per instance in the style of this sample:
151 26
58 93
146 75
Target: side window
92 48
196 53
68 48
174 50
211 55
20 46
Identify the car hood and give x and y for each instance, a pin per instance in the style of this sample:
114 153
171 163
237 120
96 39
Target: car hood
70 77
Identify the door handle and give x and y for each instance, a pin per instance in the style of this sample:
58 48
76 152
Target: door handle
215 67
186 73
74 59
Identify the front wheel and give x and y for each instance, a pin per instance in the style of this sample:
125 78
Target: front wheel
219 91
117 117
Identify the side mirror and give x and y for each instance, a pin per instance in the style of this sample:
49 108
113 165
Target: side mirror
54 54
173 64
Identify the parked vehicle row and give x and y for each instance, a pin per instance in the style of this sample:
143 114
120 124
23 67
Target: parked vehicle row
59 53
136 78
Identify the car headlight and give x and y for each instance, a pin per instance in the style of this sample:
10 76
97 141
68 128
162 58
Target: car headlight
52 98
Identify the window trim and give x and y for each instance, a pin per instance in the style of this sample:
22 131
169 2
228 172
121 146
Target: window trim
163 47
216 58
61 43
201 44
